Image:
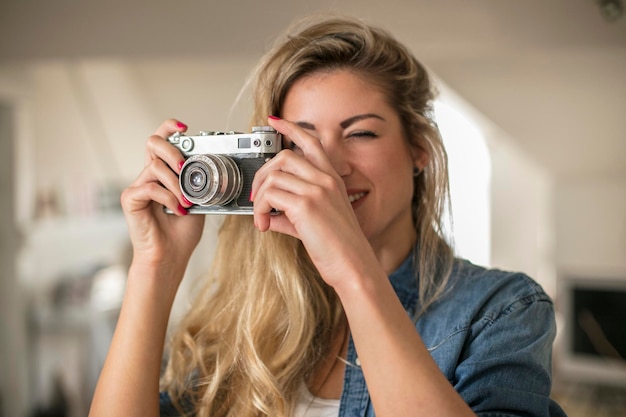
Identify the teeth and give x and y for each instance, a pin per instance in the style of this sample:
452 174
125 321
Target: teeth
355 197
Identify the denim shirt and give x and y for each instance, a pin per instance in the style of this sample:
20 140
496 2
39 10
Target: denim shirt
491 334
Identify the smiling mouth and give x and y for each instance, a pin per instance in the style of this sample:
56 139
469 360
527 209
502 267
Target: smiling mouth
356 197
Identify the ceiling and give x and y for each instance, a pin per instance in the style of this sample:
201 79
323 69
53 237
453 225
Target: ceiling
549 73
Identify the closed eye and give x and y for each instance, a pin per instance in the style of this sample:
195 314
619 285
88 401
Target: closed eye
363 134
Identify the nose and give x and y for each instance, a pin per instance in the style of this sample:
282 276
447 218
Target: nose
338 157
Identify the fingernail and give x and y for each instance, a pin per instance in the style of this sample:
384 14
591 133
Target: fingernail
186 202
251 196
182 210
274 117
180 165
181 125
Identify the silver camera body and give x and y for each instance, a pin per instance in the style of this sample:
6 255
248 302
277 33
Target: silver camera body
220 166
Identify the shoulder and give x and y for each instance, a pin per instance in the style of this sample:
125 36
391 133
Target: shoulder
477 297
483 310
491 292
491 334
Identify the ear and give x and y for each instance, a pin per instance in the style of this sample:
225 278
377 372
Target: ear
420 157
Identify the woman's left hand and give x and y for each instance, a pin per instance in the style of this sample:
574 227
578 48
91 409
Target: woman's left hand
312 202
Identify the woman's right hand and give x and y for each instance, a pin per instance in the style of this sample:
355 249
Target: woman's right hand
162 244
161 240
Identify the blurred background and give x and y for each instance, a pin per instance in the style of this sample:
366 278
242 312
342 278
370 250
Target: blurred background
532 106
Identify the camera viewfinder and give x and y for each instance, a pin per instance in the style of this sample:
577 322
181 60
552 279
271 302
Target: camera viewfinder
244 143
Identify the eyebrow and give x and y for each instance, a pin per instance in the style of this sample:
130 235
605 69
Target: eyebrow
359 117
346 123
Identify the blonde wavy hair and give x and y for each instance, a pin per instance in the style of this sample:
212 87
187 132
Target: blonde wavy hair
265 319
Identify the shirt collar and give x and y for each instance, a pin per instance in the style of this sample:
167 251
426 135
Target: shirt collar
404 281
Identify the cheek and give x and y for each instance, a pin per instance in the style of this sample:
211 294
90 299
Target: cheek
395 174
399 164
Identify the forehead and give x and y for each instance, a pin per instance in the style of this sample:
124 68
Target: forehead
338 91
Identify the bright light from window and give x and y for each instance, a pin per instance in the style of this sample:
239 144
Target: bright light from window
470 176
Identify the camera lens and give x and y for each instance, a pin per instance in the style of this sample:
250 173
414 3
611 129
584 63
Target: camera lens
210 180
197 179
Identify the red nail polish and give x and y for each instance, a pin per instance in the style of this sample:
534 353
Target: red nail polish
180 165
187 202
251 197
274 117
181 125
182 210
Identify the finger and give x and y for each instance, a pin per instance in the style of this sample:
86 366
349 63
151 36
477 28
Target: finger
293 196
158 147
264 220
138 198
286 161
279 223
310 146
169 127
280 180
158 172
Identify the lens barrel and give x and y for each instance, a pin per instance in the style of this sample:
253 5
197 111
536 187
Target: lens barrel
209 179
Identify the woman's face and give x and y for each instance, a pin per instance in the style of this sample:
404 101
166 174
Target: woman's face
363 138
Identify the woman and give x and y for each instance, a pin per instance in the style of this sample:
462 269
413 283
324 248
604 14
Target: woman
349 302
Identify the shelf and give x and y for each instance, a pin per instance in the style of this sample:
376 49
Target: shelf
65 246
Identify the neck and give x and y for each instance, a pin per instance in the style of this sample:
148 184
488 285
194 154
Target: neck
390 256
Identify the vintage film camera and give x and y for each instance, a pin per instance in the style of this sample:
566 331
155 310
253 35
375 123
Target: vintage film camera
220 166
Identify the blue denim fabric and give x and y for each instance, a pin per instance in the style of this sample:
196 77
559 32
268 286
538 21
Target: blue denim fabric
166 408
491 334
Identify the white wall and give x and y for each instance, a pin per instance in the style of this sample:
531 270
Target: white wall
469 168
13 375
520 229
522 223
591 225
14 121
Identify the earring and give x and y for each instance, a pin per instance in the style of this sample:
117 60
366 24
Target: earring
416 172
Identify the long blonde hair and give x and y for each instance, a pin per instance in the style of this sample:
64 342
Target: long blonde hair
265 318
